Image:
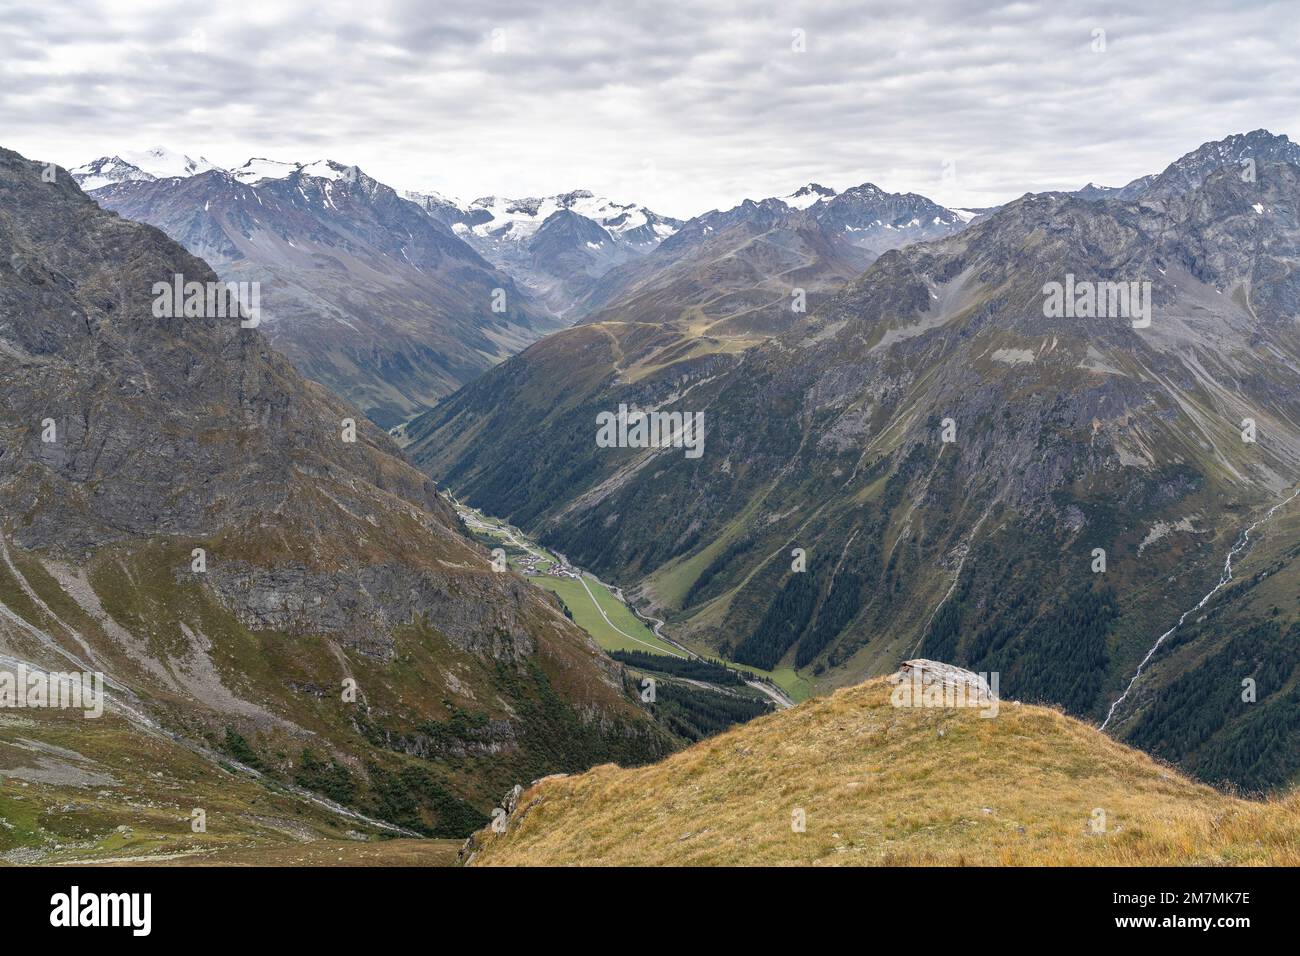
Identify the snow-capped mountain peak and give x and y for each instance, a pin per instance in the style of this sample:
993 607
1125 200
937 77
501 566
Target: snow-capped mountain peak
260 170
329 169
808 195
157 162
107 170
163 163
499 218
556 246
432 197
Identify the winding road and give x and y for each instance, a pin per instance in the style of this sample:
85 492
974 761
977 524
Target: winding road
475 519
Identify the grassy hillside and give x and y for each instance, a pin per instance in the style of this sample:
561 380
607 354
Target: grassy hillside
95 790
895 786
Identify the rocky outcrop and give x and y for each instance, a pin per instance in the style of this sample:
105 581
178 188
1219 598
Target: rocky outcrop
509 814
929 673
361 606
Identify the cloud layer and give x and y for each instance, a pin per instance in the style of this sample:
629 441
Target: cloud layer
685 107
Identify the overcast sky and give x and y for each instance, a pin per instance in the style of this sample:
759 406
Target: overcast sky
684 107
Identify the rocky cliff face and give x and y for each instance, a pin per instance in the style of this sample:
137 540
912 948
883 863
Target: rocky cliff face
232 544
950 453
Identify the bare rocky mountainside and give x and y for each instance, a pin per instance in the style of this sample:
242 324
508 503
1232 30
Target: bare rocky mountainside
361 289
970 469
286 611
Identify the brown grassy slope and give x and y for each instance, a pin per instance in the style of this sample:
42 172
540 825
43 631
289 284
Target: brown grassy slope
881 785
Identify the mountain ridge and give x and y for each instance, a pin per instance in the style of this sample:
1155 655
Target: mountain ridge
1191 169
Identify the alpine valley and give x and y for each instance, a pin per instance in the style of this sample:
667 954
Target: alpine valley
964 478
356 571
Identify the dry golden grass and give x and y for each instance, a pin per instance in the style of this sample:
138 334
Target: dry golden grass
880 785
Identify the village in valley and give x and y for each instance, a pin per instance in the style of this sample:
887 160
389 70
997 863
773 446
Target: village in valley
533 565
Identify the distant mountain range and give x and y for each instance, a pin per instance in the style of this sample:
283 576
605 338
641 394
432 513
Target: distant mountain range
749 269
556 246
947 450
359 288
393 310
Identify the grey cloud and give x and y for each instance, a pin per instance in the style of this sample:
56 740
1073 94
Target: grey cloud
683 106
